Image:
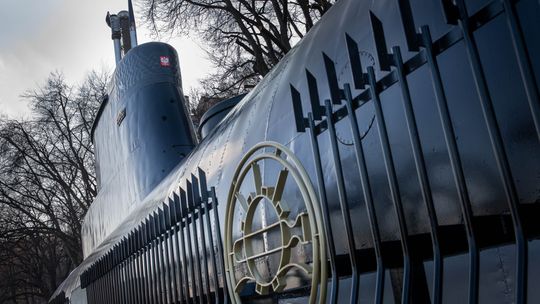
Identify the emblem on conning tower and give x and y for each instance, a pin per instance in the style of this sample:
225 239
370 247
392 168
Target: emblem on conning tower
273 229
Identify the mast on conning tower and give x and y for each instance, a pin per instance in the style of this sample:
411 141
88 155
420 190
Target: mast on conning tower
132 27
123 31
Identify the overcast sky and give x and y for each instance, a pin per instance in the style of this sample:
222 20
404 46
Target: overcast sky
70 36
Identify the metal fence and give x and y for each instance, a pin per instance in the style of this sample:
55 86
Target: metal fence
175 255
321 120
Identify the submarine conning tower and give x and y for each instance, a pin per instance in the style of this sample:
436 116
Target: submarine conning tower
141 132
143 128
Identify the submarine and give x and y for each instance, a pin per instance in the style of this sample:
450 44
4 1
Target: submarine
392 156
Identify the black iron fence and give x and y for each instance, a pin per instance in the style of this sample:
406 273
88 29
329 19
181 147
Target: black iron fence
174 255
322 119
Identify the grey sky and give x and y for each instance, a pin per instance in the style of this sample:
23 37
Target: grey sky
41 36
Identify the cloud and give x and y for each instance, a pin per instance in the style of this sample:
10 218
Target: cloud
39 37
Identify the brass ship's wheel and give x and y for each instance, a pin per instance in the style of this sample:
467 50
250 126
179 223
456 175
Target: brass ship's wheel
302 228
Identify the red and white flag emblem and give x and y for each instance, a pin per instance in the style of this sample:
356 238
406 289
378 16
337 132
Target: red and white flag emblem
164 61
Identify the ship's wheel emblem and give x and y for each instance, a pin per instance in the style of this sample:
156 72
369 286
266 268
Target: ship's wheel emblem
246 246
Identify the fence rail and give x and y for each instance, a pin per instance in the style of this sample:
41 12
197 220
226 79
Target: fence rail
173 255
322 119
176 254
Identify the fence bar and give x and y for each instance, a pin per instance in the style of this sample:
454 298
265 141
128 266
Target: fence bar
205 204
114 275
102 278
163 252
171 283
204 252
124 278
117 275
91 293
421 171
151 261
186 216
148 261
127 273
91 285
172 268
144 265
141 253
393 183
108 280
164 258
122 286
317 111
99 294
325 209
181 224
92 280
95 292
455 163
131 274
103 281
126 281
147 275
100 282
316 108
178 266
138 272
192 210
498 150
116 288
165 261
197 202
368 198
160 262
138 268
135 271
344 203
156 263
524 63
219 243
135 267
170 224
147 283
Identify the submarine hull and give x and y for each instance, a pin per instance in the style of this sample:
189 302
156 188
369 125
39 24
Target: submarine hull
391 156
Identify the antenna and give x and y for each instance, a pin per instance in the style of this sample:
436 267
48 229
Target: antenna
124 28
132 27
114 23
123 31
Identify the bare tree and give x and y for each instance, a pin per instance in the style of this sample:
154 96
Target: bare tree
47 183
245 38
